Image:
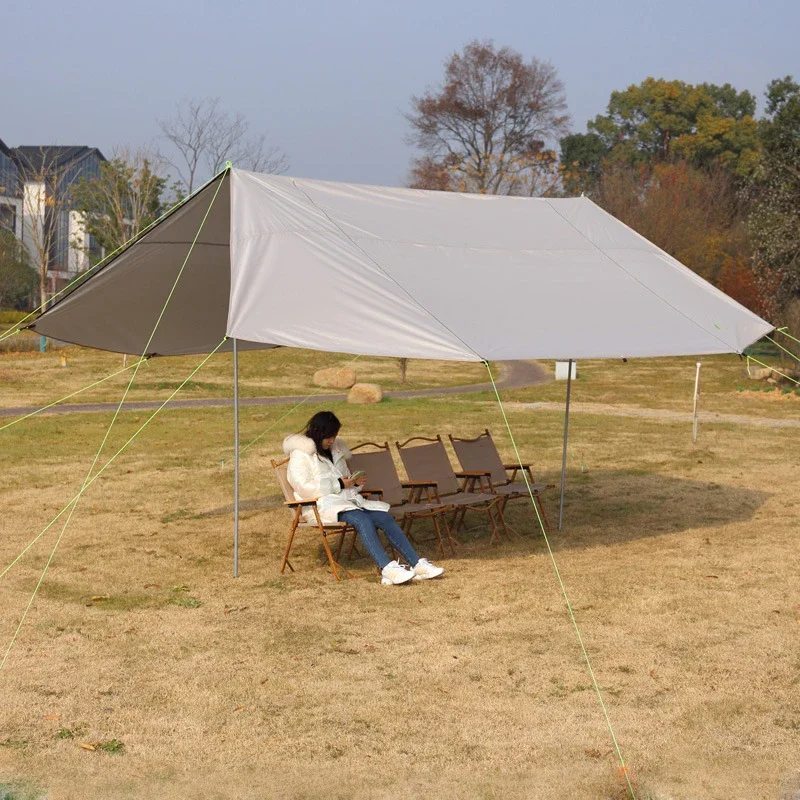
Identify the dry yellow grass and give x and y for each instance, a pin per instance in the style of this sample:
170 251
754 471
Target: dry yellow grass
39 378
680 561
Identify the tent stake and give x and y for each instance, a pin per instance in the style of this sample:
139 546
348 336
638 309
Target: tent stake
564 455
235 460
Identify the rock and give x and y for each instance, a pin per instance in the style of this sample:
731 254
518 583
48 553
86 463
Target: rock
365 393
335 377
760 373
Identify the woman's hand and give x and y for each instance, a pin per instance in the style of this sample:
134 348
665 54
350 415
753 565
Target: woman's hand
359 481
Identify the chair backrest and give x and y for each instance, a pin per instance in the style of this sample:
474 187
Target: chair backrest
280 468
480 455
429 462
380 469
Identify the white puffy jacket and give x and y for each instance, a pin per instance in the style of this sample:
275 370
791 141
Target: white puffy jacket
312 476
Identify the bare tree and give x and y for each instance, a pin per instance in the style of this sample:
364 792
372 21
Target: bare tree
47 182
487 128
205 137
125 198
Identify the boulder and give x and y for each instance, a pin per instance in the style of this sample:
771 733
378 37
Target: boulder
759 374
365 393
335 377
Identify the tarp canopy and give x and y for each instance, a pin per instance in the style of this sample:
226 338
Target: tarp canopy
397 272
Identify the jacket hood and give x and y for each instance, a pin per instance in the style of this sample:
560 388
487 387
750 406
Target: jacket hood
297 441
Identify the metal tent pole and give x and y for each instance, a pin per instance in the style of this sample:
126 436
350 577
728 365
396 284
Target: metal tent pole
696 401
564 455
235 460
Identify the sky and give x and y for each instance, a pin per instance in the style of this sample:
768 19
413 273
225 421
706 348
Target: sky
329 82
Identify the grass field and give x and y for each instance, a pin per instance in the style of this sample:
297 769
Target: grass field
144 670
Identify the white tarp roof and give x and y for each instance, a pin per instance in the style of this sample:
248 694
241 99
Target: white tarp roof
399 272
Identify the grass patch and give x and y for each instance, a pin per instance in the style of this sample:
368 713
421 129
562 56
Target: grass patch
675 556
19 791
114 746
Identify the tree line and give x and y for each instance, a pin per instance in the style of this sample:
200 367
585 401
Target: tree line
689 166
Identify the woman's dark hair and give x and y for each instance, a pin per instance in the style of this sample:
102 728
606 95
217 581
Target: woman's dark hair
323 425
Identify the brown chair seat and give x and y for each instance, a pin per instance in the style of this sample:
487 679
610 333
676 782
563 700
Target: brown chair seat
428 461
410 500
480 456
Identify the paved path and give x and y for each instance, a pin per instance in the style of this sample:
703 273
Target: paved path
514 375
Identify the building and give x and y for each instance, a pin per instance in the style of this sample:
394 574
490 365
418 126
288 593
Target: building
10 200
36 185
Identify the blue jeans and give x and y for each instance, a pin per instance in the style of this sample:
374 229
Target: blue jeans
365 522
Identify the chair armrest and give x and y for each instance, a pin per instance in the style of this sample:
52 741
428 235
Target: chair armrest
418 484
517 466
477 474
295 503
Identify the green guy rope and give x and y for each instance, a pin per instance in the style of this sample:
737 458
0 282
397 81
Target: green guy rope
74 501
87 479
776 371
136 366
783 331
90 272
623 767
67 397
785 350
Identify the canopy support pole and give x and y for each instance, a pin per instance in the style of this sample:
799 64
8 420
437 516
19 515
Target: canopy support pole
564 454
235 460
696 401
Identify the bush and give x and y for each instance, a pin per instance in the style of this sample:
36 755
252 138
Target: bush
17 277
12 317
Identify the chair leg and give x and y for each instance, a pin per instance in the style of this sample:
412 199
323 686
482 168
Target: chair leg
449 531
495 528
538 499
331 560
450 540
353 548
458 518
341 544
502 502
285 562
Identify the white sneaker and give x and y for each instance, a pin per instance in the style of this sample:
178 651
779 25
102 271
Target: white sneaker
394 573
424 570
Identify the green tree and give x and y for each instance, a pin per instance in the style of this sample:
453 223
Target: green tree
488 127
660 120
695 215
775 221
18 279
582 157
128 195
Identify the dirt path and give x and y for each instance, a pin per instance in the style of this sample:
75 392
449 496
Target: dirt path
656 413
513 375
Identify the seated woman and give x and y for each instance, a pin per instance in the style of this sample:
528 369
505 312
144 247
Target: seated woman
318 469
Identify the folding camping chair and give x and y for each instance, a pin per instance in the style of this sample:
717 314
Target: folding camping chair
429 462
381 472
480 455
323 528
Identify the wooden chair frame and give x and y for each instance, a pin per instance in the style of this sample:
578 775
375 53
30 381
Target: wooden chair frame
460 499
324 529
508 488
412 507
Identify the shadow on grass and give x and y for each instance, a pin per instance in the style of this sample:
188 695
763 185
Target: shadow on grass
601 508
604 507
